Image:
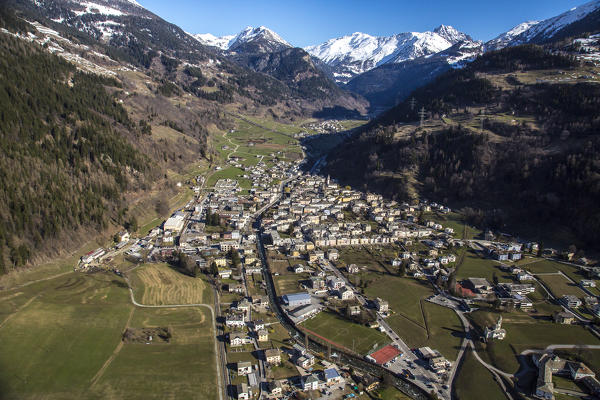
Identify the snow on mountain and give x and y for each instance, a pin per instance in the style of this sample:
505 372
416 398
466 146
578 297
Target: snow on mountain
270 41
208 39
451 34
263 38
507 37
354 54
547 28
536 32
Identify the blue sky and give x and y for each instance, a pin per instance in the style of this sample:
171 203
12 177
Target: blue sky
307 22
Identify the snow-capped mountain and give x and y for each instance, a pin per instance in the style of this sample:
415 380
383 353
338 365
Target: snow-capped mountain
208 39
254 40
507 37
354 54
539 32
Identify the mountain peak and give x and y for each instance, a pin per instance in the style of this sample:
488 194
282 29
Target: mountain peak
451 34
269 40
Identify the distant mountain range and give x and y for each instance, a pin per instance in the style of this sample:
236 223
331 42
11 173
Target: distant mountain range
355 54
384 69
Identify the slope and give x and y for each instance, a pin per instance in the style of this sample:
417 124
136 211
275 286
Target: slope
533 167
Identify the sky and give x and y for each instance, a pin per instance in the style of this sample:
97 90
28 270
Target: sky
308 22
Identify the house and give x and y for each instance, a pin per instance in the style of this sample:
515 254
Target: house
123 236
238 339
354 310
563 317
262 335
310 382
524 276
332 376
352 269
244 367
274 388
243 393
316 282
235 320
258 325
369 382
225 274
381 305
570 301
305 361
221 262
296 299
335 283
345 294
272 356
239 288
260 301
333 254
435 360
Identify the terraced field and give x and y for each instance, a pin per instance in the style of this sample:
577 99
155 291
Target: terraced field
159 284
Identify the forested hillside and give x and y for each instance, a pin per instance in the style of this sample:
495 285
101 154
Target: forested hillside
536 159
63 163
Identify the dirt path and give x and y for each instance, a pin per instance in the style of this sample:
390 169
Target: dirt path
114 354
36 281
19 309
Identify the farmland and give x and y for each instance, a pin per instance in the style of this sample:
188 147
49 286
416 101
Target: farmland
59 334
159 284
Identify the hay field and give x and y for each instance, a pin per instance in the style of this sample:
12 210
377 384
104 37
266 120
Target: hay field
159 284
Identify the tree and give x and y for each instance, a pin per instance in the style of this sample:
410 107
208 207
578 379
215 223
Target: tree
495 278
403 267
540 249
214 270
161 205
235 257
187 264
131 225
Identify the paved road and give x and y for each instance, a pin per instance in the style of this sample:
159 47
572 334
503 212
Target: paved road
408 360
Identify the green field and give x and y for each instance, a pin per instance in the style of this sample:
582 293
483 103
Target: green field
560 286
475 266
475 382
186 365
353 336
402 294
525 332
455 221
58 334
416 321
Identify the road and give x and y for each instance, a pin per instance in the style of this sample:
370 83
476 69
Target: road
218 354
408 360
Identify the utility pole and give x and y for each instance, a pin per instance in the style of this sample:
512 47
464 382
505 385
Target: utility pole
413 102
422 114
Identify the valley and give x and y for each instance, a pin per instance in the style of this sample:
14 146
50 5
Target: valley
193 216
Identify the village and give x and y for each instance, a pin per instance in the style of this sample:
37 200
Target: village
291 248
